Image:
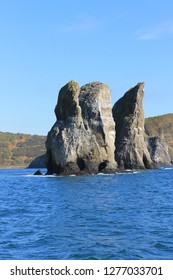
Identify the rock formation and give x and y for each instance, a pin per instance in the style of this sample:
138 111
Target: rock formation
38 162
82 139
131 150
161 126
38 172
158 149
87 139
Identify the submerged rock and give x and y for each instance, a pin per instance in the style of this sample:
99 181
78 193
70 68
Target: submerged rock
38 172
82 139
131 150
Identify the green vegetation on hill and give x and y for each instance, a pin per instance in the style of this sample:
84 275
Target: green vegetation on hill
18 150
161 125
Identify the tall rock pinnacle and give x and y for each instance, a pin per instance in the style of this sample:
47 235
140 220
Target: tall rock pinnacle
131 150
82 139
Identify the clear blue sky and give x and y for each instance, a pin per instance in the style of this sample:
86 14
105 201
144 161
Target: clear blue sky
46 43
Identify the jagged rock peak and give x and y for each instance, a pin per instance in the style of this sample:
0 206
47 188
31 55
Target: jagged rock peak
132 98
131 150
82 139
68 104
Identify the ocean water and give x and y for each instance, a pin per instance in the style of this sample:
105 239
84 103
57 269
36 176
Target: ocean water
120 216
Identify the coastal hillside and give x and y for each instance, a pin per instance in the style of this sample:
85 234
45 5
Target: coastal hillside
161 126
18 150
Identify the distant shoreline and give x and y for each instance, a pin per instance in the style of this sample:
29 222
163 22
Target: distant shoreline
20 150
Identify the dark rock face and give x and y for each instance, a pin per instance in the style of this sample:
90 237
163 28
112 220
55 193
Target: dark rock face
158 149
82 139
131 150
38 162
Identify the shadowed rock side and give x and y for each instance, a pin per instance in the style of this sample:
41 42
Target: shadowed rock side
158 149
131 150
156 126
38 162
82 139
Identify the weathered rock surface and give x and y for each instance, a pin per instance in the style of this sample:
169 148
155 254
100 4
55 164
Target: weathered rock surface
158 149
155 126
82 139
131 150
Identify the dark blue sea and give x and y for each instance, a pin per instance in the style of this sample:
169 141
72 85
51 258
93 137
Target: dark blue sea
120 216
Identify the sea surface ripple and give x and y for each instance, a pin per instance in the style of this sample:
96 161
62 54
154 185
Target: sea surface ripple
119 216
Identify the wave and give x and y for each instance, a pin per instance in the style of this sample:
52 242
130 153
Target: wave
127 172
38 176
166 168
73 175
104 174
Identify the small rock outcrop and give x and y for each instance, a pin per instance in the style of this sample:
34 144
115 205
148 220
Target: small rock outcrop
38 162
158 149
82 139
131 150
38 172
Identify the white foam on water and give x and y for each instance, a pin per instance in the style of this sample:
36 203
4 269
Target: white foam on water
42 176
104 174
128 173
167 168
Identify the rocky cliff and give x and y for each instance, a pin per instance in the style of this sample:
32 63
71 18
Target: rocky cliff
158 149
155 126
131 150
18 150
90 137
82 139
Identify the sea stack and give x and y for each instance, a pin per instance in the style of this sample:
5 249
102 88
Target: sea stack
82 139
131 149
